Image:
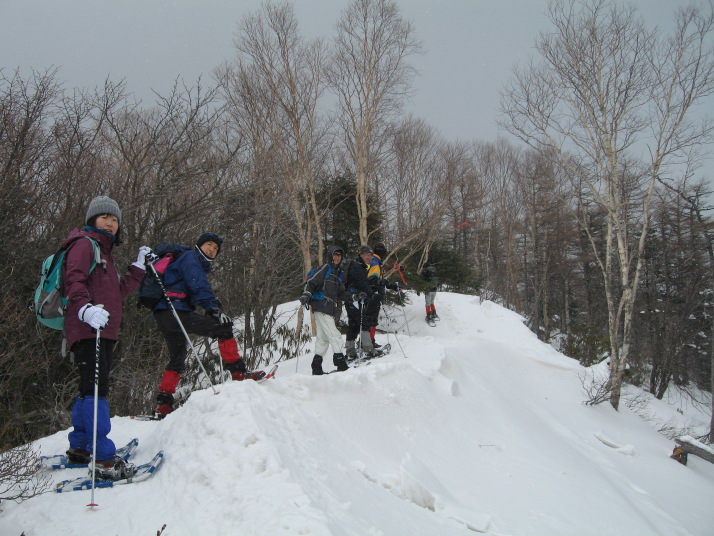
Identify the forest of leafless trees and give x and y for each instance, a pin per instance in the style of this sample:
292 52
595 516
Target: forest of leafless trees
597 229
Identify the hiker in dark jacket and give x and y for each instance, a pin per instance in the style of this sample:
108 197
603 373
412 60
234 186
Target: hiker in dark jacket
95 299
428 274
378 285
357 283
323 291
186 283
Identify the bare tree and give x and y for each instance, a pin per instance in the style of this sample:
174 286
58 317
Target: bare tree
415 189
370 75
605 87
466 199
273 91
499 219
546 235
695 199
20 476
289 72
35 149
167 162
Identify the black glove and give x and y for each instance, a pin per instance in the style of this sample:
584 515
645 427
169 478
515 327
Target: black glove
360 297
305 298
218 316
393 286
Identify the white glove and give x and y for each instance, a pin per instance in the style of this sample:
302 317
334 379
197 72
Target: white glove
141 257
94 315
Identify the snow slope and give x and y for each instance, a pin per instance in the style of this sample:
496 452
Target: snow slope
473 426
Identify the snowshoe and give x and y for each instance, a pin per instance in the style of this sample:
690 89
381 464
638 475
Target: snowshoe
270 374
114 469
248 375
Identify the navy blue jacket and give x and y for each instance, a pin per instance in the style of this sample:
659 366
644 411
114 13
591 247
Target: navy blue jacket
333 290
186 282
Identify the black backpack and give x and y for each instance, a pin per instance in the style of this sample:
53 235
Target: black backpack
150 292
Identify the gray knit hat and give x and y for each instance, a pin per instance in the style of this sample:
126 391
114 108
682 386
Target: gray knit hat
102 205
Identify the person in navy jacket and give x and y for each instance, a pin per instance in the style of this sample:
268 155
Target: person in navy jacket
187 286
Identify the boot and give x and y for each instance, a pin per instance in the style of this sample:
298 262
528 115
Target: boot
167 388
340 362
368 349
165 405
374 352
317 366
351 347
434 316
238 370
78 456
248 375
115 468
372 333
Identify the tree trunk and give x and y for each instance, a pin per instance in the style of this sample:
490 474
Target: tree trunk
711 362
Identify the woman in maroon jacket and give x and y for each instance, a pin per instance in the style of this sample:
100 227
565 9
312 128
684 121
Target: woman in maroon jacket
95 296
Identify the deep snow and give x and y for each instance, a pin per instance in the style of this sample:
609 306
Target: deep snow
473 425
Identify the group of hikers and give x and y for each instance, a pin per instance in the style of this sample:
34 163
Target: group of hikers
359 284
95 292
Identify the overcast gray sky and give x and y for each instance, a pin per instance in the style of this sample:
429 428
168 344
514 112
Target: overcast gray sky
470 45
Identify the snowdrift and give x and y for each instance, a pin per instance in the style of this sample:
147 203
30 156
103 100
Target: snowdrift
469 427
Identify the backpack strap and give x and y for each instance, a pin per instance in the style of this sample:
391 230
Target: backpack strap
346 265
96 258
97 255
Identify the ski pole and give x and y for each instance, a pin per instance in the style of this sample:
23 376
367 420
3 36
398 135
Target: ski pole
361 316
297 354
92 504
178 320
404 309
384 309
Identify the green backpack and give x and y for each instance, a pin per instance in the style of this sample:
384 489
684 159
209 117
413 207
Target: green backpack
49 300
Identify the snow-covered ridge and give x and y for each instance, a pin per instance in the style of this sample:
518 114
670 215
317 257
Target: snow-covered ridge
472 426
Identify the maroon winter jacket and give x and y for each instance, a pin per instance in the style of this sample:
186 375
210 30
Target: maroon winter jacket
101 286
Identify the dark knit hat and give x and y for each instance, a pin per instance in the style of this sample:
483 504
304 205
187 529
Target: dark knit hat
102 205
210 237
380 249
366 249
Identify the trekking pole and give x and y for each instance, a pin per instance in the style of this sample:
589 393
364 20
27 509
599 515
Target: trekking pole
220 363
92 504
178 320
404 309
384 310
299 335
361 317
